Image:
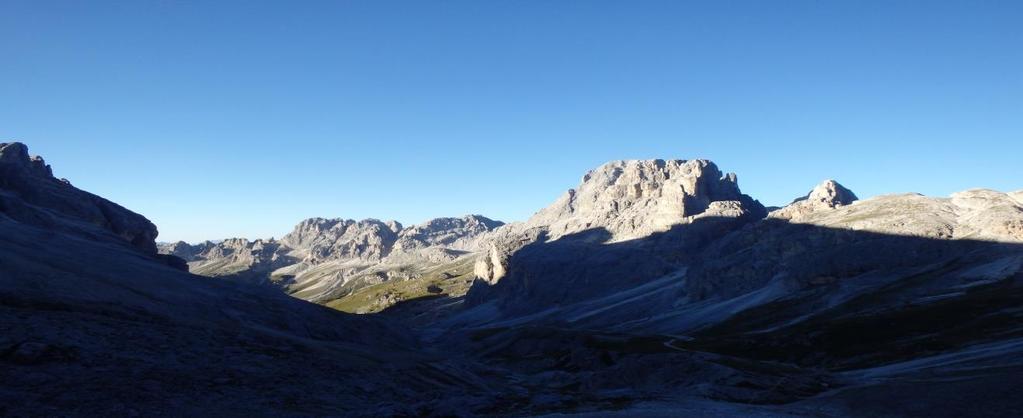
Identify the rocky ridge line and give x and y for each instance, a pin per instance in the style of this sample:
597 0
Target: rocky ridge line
27 185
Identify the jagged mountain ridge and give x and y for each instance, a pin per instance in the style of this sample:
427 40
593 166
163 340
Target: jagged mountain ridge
323 259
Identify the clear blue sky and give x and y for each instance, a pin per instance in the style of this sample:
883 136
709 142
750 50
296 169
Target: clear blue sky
219 119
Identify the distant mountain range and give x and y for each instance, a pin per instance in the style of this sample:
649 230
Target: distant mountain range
654 288
326 259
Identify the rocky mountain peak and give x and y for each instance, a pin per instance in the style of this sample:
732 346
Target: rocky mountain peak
637 197
452 233
475 222
637 201
180 249
322 258
829 194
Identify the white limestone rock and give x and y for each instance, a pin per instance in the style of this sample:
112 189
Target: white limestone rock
627 200
632 199
827 195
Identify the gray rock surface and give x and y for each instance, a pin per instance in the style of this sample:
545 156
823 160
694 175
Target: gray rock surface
30 194
827 195
628 222
633 199
459 234
183 250
827 245
626 200
318 239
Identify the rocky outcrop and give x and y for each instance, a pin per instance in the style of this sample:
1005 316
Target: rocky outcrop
238 258
988 215
827 195
29 193
184 250
321 239
626 223
460 234
1017 196
633 199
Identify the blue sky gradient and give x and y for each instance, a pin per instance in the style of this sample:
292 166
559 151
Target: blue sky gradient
221 119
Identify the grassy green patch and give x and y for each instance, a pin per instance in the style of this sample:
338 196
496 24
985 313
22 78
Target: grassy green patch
452 279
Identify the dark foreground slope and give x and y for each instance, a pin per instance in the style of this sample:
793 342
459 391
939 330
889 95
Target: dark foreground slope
93 322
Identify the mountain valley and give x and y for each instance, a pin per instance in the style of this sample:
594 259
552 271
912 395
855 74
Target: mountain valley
653 288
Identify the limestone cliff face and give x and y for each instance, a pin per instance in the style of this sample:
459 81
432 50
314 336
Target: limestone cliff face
827 195
29 193
626 200
988 214
632 199
626 223
321 239
454 233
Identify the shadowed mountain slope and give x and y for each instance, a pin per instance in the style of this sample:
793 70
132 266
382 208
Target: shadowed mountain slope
854 300
93 323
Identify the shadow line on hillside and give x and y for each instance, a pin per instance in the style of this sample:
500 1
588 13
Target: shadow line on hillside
848 298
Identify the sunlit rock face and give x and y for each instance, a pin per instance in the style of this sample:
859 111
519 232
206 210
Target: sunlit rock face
626 223
827 195
322 239
632 199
